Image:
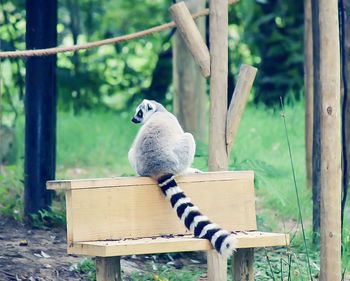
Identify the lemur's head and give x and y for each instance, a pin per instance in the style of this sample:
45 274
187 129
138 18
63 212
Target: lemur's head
144 111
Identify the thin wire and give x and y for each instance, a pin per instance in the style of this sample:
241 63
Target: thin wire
296 188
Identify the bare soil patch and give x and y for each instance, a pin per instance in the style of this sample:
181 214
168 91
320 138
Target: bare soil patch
27 253
33 254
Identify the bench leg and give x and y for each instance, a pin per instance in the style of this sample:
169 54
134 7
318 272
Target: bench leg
217 266
242 268
108 269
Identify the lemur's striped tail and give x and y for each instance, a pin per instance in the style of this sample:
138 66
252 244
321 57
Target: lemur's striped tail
222 240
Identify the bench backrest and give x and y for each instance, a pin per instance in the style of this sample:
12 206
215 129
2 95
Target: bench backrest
134 207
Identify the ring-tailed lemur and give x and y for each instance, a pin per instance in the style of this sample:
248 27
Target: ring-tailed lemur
161 150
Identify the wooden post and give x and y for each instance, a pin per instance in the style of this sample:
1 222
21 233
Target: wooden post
189 98
239 100
326 26
309 89
242 269
218 158
191 35
217 266
108 269
40 106
218 30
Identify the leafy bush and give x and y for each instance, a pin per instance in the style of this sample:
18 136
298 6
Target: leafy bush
271 33
86 267
11 192
49 218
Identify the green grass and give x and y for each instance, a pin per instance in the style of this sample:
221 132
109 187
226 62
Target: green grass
261 146
11 191
95 144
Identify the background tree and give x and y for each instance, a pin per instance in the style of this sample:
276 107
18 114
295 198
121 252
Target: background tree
188 83
273 30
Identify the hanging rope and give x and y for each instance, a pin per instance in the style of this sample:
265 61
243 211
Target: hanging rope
91 45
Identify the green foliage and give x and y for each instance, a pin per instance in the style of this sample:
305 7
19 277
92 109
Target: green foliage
87 268
267 34
282 264
270 35
346 241
49 218
11 192
166 273
12 36
8 146
109 76
269 265
113 74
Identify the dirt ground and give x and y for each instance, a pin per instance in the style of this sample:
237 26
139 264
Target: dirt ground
33 254
40 255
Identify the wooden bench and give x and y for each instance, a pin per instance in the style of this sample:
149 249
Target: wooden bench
113 217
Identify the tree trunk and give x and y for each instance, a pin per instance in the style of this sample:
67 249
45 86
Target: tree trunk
189 84
40 105
327 85
308 85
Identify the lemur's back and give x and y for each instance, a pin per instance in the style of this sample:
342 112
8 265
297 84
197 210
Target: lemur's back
162 150
154 142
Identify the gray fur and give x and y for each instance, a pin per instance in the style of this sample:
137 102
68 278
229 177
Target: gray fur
161 150
161 146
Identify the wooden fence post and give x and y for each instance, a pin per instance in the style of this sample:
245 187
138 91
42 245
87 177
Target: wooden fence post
191 35
108 269
238 102
189 98
242 269
218 158
242 266
327 77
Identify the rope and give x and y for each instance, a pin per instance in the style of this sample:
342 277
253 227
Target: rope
91 45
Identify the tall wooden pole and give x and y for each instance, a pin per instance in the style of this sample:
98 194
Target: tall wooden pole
40 105
242 266
218 158
218 30
189 83
309 89
327 77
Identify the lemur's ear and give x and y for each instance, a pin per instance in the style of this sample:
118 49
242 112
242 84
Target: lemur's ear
149 107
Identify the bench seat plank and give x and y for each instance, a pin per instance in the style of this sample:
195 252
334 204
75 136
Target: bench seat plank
249 239
143 181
